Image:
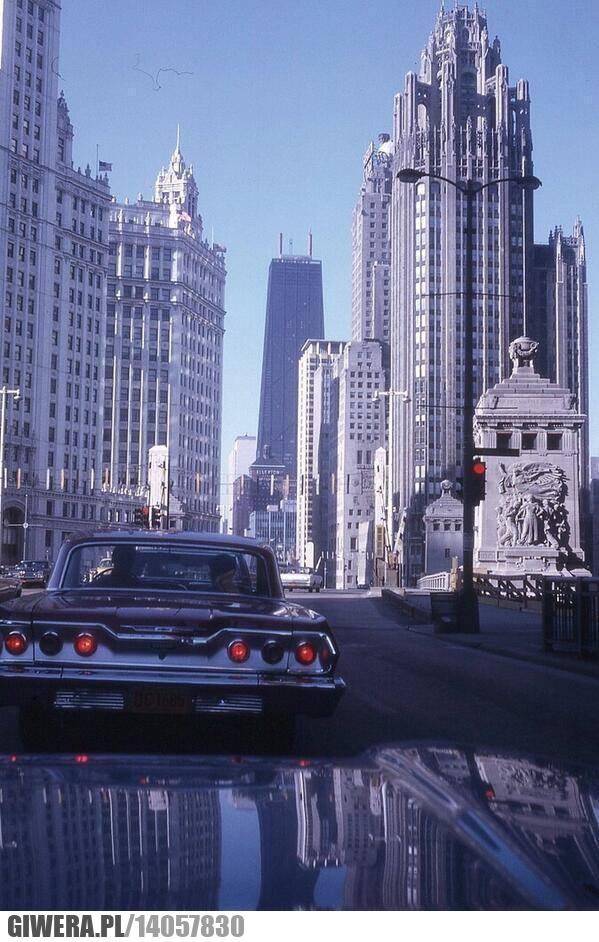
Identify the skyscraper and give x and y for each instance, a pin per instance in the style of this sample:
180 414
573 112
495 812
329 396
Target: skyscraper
363 372
371 251
358 408
241 457
461 119
294 314
54 251
560 320
316 429
165 327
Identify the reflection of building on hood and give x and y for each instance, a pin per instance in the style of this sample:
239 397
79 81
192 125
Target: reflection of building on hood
547 807
318 832
131 835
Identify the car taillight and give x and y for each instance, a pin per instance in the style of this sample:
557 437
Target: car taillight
325 655
305 653
85 645
273 652
50 643
15 642
239 651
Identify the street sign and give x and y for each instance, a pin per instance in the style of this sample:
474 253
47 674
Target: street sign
500 452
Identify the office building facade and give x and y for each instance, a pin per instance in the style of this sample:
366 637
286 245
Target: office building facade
54 246
358 381
560 320
276 526
241 456
294 313
371 247
164 347
315 473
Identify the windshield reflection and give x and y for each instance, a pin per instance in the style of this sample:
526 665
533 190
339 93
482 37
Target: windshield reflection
419 828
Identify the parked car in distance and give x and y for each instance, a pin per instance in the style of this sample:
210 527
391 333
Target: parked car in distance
177 623
32 573
303 578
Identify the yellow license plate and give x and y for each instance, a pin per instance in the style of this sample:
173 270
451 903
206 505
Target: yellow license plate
159 701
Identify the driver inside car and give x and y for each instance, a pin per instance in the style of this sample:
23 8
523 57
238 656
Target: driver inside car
121 575
224 574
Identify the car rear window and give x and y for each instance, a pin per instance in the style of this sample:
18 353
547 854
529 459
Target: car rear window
158 567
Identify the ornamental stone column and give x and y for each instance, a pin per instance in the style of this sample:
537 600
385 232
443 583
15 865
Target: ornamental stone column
529 521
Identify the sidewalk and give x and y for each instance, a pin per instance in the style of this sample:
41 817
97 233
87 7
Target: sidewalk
506 631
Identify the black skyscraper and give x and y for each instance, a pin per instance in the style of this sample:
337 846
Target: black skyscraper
294 314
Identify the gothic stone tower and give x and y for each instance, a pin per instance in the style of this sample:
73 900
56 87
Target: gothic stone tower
459 118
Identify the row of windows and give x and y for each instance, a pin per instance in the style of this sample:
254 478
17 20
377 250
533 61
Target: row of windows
31 9
79 250
24 205
16 100
81 204
29 28
28 77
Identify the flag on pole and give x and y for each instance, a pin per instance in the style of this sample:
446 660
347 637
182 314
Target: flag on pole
104 166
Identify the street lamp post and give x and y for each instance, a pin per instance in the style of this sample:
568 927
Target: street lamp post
468 599
4 392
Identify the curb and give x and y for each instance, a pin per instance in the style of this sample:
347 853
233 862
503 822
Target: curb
539 660
422 619
414 612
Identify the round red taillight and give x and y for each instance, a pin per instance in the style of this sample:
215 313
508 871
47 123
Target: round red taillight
305 653
239 651
85 645
15 642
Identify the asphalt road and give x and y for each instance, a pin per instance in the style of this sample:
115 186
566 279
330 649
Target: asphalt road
402 687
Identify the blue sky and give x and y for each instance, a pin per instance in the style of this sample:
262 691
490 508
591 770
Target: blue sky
281 103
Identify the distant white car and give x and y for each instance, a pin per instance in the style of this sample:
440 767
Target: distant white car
301 579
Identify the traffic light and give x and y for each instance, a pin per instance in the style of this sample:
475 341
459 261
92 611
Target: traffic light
478 470
156 518
141 517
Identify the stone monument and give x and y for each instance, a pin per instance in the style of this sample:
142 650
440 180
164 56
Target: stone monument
443 531
529 521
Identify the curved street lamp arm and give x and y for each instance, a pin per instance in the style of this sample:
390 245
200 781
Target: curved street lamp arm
515 178
438 176
472 186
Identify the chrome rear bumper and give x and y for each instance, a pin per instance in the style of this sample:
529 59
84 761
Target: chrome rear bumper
214 692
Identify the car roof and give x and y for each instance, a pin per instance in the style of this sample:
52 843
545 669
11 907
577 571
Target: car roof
218 540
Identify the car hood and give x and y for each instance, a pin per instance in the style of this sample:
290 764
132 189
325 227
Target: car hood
425 827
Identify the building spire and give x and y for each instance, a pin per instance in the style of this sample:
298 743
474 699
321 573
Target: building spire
178 147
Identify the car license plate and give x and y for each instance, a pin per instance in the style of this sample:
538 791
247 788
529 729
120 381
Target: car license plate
159 701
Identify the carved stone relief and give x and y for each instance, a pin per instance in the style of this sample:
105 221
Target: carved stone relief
531 510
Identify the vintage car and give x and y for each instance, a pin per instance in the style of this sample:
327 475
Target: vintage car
301 579
179 623
33 573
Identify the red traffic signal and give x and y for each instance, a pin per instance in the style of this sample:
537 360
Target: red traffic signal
141 516
478 470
